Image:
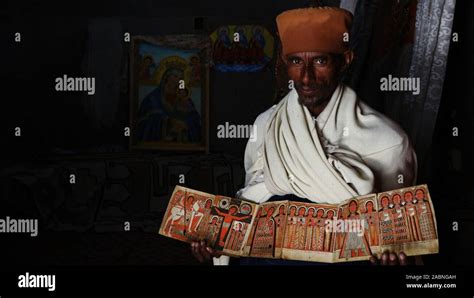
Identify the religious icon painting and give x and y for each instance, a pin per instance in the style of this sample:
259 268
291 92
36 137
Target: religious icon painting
425 211
407 221
356 230
353 230
187 215
196 211
385 219
308 234
174 221
268 230
169 92
241 48
330 215
369 214
236 217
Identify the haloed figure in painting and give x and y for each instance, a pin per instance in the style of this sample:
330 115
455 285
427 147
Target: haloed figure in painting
168 113
228 218
355 243
321 143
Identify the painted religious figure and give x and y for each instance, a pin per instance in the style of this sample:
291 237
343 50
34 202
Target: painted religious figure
371 216
425 215
290 235
174 221
400 222
228 217
355 242
329 235
386 224
411 208
265 234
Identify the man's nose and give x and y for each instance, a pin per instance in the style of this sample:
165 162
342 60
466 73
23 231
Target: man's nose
308 75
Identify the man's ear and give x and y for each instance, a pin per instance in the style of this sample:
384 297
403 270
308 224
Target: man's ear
348 57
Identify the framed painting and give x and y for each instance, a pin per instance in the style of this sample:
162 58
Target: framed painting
241 48
169 79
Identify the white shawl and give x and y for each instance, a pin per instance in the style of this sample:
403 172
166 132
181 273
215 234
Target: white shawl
350 150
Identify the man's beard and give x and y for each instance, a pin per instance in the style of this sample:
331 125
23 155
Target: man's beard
309 101
322 93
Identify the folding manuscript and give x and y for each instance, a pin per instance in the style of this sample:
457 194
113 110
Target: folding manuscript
397 220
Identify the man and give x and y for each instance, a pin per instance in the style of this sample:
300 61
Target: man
321 143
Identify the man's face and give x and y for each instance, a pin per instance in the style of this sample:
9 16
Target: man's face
315 75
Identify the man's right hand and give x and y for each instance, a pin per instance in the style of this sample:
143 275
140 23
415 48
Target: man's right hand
202 252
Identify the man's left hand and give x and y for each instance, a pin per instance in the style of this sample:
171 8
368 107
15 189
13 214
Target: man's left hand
391 258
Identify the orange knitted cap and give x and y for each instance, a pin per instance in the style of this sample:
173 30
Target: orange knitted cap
318 29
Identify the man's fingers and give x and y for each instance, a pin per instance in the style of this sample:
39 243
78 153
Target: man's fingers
213 252
195 252
393 259
204 252
384 258
374 260
210 251
388 258
403 259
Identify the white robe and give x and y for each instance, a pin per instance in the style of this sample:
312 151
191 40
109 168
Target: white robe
350 149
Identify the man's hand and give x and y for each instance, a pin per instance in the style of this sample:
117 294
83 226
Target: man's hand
390 258
202 252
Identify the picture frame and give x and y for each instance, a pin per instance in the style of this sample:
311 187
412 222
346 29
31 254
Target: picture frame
169 93
242 48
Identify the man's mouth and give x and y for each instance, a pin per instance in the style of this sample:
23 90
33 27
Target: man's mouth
307 91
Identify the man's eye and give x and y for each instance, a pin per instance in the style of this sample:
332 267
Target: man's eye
296 61
320 60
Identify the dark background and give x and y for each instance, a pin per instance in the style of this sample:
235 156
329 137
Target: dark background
82 224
